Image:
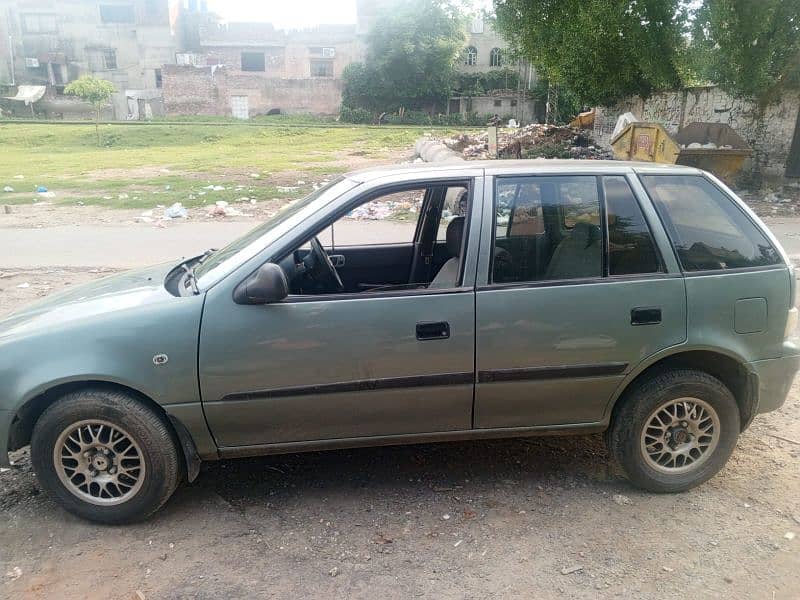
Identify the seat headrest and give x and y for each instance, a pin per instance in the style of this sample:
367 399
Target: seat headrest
585 233
455 231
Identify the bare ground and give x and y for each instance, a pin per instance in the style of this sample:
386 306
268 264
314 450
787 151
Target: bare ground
538 518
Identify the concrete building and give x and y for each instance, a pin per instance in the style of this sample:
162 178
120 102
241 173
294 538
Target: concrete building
487 51
248 69
52 42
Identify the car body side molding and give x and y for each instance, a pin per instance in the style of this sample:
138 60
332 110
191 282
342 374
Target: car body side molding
362 385
558 372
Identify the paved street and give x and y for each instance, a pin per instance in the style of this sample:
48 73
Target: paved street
136 245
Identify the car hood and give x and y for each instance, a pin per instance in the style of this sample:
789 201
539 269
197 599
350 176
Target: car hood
118 292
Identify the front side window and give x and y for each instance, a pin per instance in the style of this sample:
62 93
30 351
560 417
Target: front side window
388 219
708 230
547 228
631 249
496 58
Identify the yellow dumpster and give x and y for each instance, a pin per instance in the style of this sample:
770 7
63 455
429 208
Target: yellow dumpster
648 142
714 147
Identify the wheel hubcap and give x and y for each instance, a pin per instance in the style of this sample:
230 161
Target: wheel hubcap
99 462
680 435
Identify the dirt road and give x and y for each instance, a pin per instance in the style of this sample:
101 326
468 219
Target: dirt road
539 518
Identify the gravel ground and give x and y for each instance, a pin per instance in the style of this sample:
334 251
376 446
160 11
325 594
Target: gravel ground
537 518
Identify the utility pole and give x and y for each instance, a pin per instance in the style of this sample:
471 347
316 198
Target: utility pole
551 107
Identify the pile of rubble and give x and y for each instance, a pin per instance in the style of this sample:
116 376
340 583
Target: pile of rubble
531 141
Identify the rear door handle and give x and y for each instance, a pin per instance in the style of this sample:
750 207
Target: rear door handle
646 315
433 331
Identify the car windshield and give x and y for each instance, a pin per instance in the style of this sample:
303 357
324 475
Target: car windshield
225 260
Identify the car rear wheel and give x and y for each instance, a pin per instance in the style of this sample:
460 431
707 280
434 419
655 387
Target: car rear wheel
675 430
105 456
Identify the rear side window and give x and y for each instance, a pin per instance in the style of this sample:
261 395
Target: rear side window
709 231
547 228
630 246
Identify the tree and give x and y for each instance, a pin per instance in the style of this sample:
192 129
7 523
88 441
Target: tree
751 49
602 50
410 61
95 91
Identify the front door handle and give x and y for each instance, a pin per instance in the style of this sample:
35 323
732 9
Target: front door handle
646 315
433 331
337 260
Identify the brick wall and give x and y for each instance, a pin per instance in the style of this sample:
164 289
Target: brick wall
207 90
769 134
195 90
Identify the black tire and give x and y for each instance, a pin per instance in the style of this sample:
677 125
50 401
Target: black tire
624 436
158 451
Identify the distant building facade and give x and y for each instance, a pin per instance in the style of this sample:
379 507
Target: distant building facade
52 42
486 51
248 69
253 68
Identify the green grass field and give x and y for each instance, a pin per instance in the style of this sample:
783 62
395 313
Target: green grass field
139 165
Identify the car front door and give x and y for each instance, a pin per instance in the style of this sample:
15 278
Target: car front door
342 366
581 295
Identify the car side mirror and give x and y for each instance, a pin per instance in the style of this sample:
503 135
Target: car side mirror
265 286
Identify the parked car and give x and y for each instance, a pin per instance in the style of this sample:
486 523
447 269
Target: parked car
646 301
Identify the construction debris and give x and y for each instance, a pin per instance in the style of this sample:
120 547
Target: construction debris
531 141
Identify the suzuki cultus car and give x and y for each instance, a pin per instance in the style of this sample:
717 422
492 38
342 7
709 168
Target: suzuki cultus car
417 304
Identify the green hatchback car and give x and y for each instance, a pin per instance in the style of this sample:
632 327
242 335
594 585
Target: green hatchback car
419 303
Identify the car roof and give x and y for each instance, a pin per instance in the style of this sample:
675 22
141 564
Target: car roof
522 167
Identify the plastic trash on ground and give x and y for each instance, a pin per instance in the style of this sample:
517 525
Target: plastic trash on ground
176 211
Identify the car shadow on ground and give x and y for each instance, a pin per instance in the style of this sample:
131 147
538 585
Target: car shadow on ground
400 471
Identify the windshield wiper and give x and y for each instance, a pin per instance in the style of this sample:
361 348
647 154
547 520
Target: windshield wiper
205 255
190 279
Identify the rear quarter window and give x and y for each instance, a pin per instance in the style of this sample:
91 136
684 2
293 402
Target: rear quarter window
709 231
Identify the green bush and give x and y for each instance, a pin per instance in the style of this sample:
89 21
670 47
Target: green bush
356 115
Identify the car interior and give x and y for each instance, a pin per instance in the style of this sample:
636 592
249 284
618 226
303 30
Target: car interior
403 239
547 229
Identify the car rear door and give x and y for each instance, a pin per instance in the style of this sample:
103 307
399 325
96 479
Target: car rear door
583 295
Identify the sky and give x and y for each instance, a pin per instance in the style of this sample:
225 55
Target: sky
295 13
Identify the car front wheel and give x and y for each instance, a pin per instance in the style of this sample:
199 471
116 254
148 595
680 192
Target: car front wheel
105 456
675 430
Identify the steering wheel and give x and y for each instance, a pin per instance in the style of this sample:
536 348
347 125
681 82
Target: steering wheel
324 266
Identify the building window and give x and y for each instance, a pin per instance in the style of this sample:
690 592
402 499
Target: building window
321 68
477 25
323 51
513 103
159 78
110 59
472 56
39 23
496 58
498 103
117 13
253 61
103 59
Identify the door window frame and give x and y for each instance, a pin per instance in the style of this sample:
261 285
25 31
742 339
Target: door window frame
471 248
669 267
